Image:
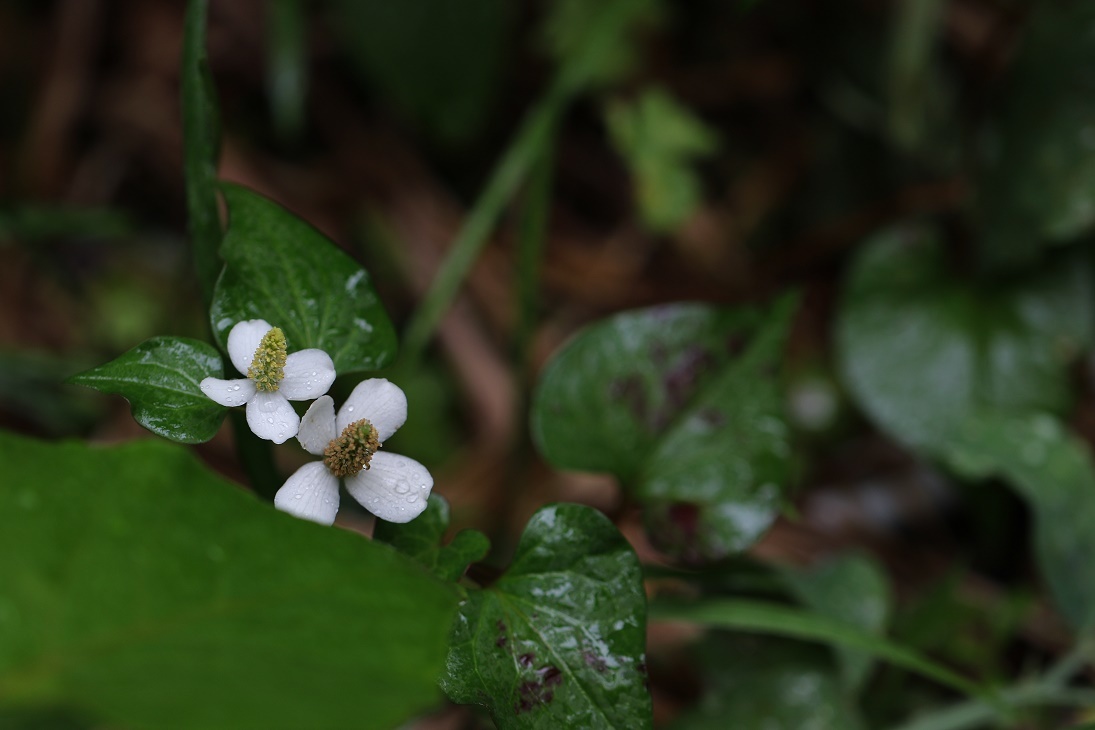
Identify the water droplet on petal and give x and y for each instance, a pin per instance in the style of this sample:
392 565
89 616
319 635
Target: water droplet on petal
402 487
299 496
412 499
270 420
313 373
349 409
421 486
376 499
235 387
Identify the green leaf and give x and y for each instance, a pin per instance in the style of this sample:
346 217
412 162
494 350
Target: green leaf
593 43
152 593
279 268
763 682
1053 471
161 380
659 138
851 588
780 620
920 349
421 539
558 640
680 403
441 61
201 144
1037 179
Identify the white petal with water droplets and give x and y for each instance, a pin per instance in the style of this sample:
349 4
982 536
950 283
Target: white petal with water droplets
394 488
308 374
380 401
244 339
228 392
271 417
317 428
310 494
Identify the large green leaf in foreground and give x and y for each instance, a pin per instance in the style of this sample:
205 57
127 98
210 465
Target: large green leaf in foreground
279 268
682 404
161 379
142 589
922 349
558 641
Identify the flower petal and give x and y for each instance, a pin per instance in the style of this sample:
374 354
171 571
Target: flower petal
394 488
317 428
271 417
308 374
228 392
310 494
244 339
380 401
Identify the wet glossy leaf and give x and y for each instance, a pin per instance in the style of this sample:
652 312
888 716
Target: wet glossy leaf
160 378
775 684
1053 470
558 640
149 592
279 268
1037 183
921 349
201 145
660 139
422 537
681 403
851 588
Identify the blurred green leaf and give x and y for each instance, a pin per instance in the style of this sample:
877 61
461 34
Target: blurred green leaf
1037 179
421 539
679 402
441 61
921 349
1053 471
779 620
201 145
151 593
32 388
659 138
279 268
161 380
763 682
558 641
593 43
851 588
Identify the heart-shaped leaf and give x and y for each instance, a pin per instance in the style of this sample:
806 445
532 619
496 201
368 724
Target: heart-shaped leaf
279 268
148 592
680 402
161 380
558 640
421 539
921 349
1053 471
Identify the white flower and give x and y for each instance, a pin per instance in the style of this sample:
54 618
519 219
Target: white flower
273 379
394 488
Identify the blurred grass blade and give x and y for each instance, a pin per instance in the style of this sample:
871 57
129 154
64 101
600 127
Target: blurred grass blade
584 67
201 140
286 66
773 618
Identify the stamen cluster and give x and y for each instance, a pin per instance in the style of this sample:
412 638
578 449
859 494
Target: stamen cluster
352 451
268 366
